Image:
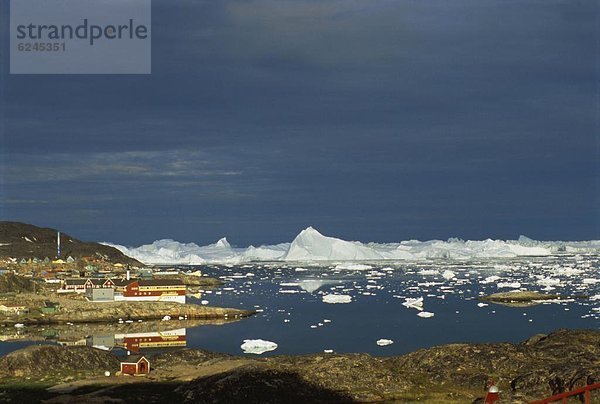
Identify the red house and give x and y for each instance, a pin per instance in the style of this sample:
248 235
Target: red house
156 290
135 365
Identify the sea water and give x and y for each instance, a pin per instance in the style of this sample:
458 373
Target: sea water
291 301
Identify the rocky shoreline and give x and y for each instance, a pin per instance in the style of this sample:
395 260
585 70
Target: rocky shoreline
81 311
456 373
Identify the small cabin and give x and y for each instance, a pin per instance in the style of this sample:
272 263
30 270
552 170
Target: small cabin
135 365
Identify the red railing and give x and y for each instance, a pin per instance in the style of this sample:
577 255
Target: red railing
564 396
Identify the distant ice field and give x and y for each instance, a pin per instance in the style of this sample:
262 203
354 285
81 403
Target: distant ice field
310 246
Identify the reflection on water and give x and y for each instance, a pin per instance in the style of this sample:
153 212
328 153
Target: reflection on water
133 337
139 342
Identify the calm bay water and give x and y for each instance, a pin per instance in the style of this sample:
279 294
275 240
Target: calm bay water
292 313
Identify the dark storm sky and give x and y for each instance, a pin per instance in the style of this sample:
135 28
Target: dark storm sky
374 120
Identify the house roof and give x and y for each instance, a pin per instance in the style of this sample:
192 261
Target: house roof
82 281
122 282
134 359
77 281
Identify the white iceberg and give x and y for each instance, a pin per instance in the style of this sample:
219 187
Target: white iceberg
310 245
333 299
258 346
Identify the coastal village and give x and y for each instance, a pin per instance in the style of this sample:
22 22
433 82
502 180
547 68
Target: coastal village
99 281
59 291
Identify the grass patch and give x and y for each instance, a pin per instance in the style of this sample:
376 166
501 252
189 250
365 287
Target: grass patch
153 392
24 391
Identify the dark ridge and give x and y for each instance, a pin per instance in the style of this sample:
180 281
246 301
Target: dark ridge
42 244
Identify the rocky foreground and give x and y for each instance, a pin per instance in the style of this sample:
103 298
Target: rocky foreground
456 373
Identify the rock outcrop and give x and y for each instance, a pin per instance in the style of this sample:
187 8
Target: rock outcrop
51 360
541 366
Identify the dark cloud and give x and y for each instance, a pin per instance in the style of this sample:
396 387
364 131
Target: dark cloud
375 121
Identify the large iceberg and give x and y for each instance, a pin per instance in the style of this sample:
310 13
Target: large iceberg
310 245
313 246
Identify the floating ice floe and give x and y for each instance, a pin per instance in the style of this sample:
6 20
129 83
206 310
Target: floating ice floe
447 274
546 281
413 303
567 271
425 314
258 346
352 267
490 279
512 285
333 299
384 342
